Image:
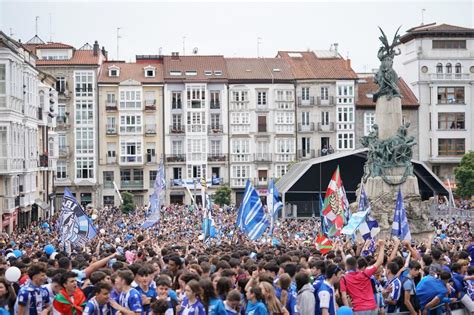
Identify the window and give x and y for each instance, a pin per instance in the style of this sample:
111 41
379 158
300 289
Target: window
149 73
111 99
457 68
150 152
305 93
325 118
111 125
345 94
215 99
113 73
439 68
240 173
451 147
130 124
150 98
131 151
261 98
130 99
285 146
131 178
196 121
215 147
240 96
61 119
85 140
217 72
240 118
62 141
84 83
177 172
60 84
177 147
450 95
207 72
281 170
262 123
196 171
176 100
109 200
84 112
345 141
177 121
324 93
85 167
175 73
2 79
108 177
240 149
345 115
216 121
111 152
449 68
305 118
153 178
305 146
449 44
196 150
369 121
191 73
451 121
61 170
196 96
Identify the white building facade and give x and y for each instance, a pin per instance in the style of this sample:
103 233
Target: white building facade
438 64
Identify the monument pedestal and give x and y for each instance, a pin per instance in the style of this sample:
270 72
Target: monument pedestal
388 115
376 186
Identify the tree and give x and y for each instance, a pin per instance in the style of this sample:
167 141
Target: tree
128 204
465 176
222 196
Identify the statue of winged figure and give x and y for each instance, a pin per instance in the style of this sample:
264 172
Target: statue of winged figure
386 77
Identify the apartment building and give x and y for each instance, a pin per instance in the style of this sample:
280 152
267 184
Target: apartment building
325 101
365 109
261 122
18 134
76 72
130 128
438 65
196 125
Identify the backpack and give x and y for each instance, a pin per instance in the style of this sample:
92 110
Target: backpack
413 298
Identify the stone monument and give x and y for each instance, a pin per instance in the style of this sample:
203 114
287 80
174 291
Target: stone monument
388 166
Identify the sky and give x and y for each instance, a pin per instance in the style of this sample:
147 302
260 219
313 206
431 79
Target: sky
228 28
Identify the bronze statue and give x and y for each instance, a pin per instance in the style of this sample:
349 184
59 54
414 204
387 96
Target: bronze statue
386 77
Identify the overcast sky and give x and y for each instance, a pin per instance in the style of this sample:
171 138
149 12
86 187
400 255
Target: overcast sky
228 28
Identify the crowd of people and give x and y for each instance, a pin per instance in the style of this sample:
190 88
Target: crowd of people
169 269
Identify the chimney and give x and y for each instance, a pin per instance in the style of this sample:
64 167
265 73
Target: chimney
104 52
96 48
175 55
348 63
335 49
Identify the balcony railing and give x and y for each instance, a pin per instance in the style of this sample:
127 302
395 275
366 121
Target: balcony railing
238 182
215 129
305 102
111 130
305 154
131 159
150 129
220 157
215 105
63 151
177 129
111 105
43 161
131 184
176 158
326 127
262 157
284 157
306 127
236 157
150 104
262 107
260 182
450 76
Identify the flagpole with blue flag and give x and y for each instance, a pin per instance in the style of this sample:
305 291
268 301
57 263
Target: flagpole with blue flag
274 204
156 198
370 227
400 227
322 218
251 218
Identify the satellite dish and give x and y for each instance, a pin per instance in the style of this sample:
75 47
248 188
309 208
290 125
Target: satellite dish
195 50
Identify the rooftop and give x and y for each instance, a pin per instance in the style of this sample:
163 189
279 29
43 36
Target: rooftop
130 71
194 68
258 69
437 30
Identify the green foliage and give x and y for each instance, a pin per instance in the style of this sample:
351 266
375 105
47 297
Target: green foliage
465 176
128 205
222 196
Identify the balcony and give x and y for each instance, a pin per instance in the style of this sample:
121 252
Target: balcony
262 108
111 159
176 158
177 129
260 182
450 76
131 159
305 154
238 182
63 151
111 130
237 157
215 105
43 160
111 106
325 102
217 157
262 157
150 129
284 157
306 127
326 127
305 102
150 105
215 129
8 204
131 184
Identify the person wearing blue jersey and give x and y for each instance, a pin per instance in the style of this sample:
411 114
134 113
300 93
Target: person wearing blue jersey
208 296
100 303
432 291
318 269
145 288
232 303
163 291
33 299
191 304
326 291
255 305
129 298
393 288
460 279
287 297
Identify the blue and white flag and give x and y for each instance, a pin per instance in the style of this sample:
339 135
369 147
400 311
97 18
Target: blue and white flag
155 199
252 219
354 222
400 227
208 225
370 227
273 203
75 226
